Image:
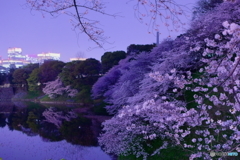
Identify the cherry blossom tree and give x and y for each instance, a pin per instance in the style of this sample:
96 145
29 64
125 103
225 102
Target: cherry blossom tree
128 84
109 79
121 82
194 103
56 88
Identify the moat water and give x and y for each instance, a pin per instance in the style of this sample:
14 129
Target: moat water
35 132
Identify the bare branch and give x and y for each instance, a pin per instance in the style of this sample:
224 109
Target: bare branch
80 12
157 12
167 11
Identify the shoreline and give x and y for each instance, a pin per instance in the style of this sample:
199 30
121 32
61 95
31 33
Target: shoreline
46 102
84 109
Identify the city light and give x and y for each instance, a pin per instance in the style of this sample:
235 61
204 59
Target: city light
16 59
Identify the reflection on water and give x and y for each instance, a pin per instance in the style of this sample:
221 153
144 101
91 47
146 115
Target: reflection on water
44 133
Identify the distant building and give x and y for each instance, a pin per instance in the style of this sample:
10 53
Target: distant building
7 63
15 54
48 56
77 59
32 58
15 58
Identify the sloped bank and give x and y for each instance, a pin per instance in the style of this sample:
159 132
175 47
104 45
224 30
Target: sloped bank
87 110
37 98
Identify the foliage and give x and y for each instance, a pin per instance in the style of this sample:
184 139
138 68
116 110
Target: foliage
69 74
49 71
78 74
30 67
190 98
32 95
21 75
110 59
3 78
10 75
84 96
89 68
137 48
32 77
33 80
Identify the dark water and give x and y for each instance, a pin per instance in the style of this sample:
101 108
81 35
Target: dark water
35 132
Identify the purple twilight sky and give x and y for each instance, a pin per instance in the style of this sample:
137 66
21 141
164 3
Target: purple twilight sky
26 29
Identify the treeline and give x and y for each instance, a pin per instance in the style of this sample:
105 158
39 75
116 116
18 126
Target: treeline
72 80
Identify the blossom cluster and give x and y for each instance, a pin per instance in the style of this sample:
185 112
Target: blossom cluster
56 88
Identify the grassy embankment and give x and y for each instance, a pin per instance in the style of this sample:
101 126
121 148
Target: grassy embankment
82 99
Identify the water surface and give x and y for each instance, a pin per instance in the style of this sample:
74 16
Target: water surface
35 132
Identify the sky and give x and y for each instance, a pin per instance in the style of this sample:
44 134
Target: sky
35 33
